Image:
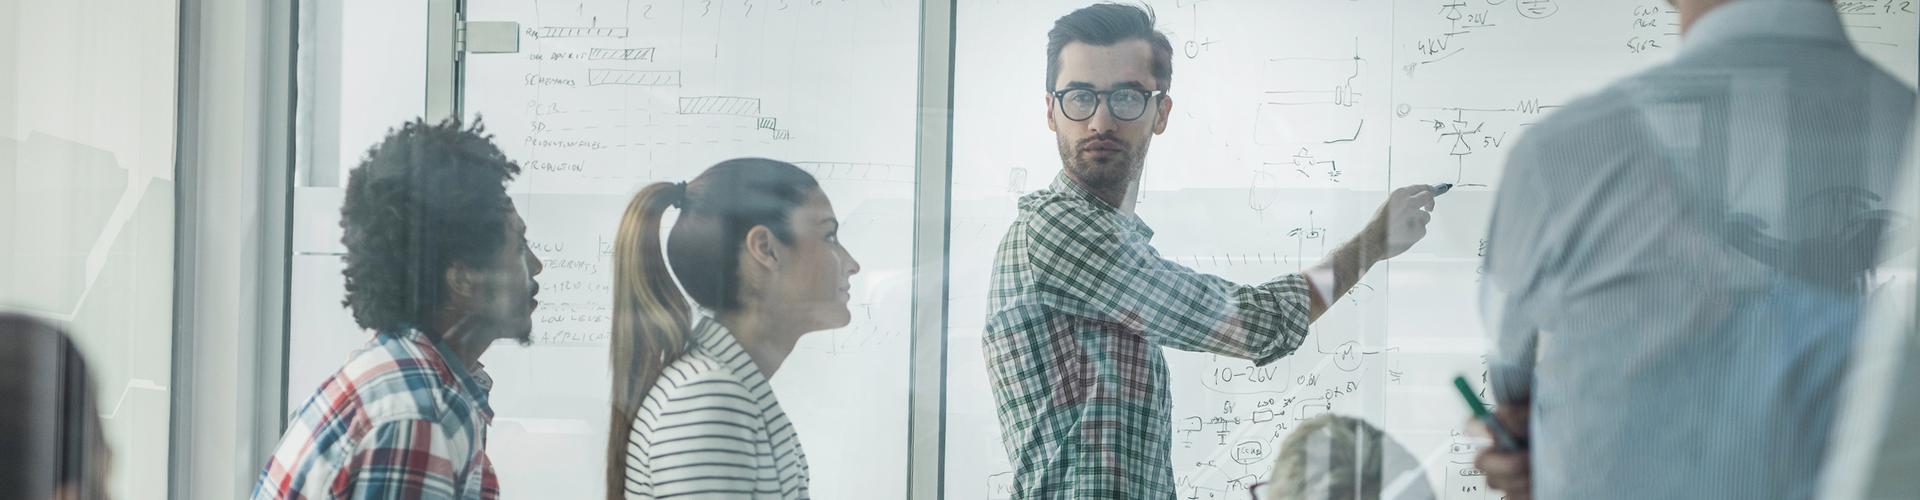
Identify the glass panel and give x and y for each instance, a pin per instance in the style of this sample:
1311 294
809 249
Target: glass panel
87 204
1291 123
362 71
1282 144
608 96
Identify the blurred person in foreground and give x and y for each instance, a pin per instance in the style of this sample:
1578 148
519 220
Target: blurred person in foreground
1677 263
51 440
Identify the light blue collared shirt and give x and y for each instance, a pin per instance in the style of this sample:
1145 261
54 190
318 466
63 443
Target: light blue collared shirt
1676 263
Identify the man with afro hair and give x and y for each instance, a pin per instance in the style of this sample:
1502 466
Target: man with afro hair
438 268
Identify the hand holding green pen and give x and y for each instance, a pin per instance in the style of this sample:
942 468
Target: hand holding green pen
1504 439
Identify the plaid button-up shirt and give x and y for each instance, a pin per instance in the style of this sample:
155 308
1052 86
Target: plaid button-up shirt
399 421
1081 305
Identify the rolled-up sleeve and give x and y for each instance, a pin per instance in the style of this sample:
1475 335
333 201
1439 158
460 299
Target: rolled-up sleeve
1110 273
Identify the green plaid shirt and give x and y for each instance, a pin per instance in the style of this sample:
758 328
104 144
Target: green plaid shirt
1080 306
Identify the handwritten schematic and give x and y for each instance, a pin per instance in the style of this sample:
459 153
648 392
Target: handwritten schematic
1466 20
1472 134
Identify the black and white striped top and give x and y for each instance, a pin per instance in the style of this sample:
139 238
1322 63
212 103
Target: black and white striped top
711 428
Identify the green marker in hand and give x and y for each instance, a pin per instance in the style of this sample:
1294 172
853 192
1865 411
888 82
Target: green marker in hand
1500 434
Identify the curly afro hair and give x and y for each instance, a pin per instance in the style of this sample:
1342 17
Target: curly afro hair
424 198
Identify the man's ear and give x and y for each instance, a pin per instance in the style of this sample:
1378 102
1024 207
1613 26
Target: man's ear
761 247
1166 111
460 282
1050 125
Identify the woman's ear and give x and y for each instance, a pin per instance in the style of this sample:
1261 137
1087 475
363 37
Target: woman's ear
761 247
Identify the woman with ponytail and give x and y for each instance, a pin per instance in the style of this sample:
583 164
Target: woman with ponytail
754 243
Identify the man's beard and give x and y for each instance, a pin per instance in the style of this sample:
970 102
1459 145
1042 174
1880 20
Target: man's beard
1111 174
517 327
514 318
525 337
524 333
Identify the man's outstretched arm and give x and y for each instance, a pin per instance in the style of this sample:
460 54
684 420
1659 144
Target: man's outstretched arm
1395 227
1087 260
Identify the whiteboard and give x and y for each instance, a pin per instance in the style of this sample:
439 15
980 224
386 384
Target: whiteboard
1291 122
609 95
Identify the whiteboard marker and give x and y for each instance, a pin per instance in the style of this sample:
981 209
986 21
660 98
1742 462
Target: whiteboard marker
1442 188
1504 439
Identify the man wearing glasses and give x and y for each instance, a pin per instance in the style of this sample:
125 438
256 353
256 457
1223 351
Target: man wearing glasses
1081 303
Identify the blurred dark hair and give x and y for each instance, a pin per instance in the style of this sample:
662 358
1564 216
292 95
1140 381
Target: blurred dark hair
50 427
424 198
1107 24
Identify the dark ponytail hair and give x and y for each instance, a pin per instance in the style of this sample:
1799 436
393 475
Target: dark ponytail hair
652 323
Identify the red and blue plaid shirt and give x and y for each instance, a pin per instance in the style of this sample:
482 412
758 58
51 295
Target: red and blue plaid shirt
399 421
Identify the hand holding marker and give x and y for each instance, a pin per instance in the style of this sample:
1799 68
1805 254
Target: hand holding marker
1500 435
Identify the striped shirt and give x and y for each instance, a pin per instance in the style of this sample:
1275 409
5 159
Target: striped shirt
711 428
1676 264
397 422
1080 307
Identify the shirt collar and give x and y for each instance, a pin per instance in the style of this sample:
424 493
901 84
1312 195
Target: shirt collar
1808 19
1064 184
476 383
715 340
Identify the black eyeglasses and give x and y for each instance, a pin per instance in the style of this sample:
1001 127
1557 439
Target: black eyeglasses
1123 104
